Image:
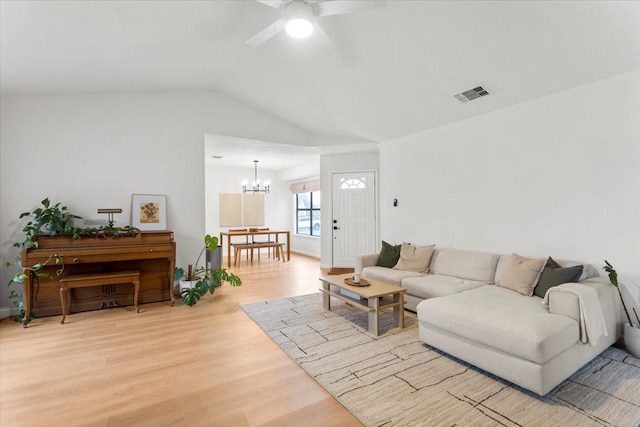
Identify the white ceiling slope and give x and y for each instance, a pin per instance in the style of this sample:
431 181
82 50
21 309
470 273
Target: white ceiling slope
394 71
229 151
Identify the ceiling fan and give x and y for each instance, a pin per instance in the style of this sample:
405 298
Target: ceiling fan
298 16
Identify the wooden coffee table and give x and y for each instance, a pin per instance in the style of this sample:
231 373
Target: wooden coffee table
373 298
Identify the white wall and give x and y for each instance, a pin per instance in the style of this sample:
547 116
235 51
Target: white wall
558 176
335 163
300 173
306 245
218 180
94 151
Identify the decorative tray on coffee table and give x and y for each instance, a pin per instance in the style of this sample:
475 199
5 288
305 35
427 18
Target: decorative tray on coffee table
363 282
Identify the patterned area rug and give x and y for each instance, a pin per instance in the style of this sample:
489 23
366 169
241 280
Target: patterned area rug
395 380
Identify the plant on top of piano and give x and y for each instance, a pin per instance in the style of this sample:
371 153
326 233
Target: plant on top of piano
109 231
56 220
202 279
51 220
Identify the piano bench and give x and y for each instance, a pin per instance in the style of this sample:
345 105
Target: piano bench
97 279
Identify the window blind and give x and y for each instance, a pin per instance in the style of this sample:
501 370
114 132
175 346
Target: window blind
305 187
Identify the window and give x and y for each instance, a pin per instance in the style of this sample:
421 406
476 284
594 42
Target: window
308 213
353 184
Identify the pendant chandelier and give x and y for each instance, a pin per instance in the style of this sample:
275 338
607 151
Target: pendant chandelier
256 183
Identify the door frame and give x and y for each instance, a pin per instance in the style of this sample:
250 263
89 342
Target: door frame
376 206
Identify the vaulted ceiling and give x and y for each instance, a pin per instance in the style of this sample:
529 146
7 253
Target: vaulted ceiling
392 72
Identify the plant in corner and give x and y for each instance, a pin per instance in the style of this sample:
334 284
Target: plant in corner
23 273
613 278
631 333
51 220
199 279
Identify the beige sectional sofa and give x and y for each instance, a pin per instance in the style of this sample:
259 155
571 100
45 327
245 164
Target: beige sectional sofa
464 311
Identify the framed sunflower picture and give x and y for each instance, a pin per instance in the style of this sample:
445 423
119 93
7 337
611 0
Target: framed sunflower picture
149 211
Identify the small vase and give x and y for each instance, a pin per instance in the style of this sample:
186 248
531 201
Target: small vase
214 258
186 284
632 339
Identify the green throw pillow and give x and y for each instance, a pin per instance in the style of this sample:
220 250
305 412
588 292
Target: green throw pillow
553 275
389 255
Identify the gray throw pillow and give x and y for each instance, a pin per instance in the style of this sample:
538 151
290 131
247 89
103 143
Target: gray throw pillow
389 255
553 275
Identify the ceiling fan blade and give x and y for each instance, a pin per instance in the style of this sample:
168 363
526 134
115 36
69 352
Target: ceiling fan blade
323 40
276 4
267 33
339 7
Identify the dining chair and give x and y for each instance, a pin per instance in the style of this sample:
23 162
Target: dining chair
263 238
239 239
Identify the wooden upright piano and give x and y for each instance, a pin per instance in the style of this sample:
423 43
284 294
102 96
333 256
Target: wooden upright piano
153 253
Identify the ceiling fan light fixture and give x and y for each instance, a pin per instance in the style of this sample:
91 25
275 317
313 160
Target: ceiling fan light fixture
299 28
298 17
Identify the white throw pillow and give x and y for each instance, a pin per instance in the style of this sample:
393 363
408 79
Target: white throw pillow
521 274
414 258
588 270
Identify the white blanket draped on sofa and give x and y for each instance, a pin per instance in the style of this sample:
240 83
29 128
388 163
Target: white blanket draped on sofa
592 323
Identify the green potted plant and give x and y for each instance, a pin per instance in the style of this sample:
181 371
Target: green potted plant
109 232
198 280
22 274
56 220
631 332
49 220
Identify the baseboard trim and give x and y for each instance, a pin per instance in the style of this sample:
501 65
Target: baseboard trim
6 312
312 255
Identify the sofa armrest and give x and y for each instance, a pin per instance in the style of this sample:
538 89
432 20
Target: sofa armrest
567 304
366 260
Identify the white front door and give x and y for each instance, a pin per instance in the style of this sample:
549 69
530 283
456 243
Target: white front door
354 216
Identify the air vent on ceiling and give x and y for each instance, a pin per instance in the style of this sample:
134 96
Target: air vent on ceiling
471 94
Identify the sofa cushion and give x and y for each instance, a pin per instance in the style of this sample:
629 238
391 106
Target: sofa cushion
389 255
553 275
587 272
413 258
436 285
465 264
388 275
504 320
521 274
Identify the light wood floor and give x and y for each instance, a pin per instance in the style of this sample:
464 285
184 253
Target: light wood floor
206 365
